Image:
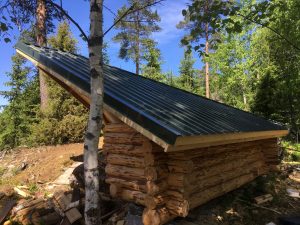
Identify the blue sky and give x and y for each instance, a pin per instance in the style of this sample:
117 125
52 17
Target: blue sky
168 39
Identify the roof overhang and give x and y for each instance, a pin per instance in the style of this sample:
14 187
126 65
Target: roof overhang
181 143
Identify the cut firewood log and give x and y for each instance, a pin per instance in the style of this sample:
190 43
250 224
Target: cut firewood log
21 192
64 201
263 198
26 204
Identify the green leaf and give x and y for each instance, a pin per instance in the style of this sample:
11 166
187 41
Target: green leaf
3 26
7 40
184 12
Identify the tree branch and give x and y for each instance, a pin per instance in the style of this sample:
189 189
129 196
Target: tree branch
130 11
271 29
58 7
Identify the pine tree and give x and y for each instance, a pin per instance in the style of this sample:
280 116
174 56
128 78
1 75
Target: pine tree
202 20
23 101
64 119
135 29
152 68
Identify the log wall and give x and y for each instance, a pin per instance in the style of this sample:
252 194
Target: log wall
170 184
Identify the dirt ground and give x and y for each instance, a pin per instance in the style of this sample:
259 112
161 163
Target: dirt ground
45 164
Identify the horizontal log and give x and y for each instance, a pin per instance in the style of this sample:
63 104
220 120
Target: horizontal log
125 149
186 166
132 196
118 128
124 160
135 185
181 179
124 138
207 151
218 190
125 172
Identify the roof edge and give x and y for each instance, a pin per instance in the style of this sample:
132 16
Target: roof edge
186 143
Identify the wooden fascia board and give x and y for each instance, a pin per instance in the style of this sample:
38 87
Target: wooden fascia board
186 143
85 98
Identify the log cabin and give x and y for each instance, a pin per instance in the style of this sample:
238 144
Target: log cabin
166 149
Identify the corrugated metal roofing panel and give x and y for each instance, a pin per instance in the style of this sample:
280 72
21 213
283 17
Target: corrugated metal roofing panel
165 111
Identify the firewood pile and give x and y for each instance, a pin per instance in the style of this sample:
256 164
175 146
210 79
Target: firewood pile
62 208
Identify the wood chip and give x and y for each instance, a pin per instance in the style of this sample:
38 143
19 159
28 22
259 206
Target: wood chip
21 192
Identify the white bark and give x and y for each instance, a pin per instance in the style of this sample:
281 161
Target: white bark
91 172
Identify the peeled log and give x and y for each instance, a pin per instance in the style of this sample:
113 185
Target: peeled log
134 196
157 172
128 184
153 202
154 188
118 128
157 216
124 138
218 190
124 149
124 160
125 172
178 207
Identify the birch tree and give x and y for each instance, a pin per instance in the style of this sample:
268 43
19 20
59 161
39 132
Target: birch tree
91 172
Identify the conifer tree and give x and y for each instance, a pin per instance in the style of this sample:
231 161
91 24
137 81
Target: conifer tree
64 119
187 75
152 68
23 101
202 20
135 29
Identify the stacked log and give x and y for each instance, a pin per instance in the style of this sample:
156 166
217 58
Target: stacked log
199 175
135 166
170 184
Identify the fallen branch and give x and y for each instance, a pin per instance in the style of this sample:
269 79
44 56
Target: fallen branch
261 207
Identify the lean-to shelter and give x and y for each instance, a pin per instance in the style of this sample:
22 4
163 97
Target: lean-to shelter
166 149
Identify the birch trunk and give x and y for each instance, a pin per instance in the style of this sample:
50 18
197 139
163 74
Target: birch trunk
41 41
91 172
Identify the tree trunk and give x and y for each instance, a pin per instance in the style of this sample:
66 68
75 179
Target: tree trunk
91 172
206 63
137 57
41 41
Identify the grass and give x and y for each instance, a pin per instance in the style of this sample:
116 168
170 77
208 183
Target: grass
291 151
33 188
